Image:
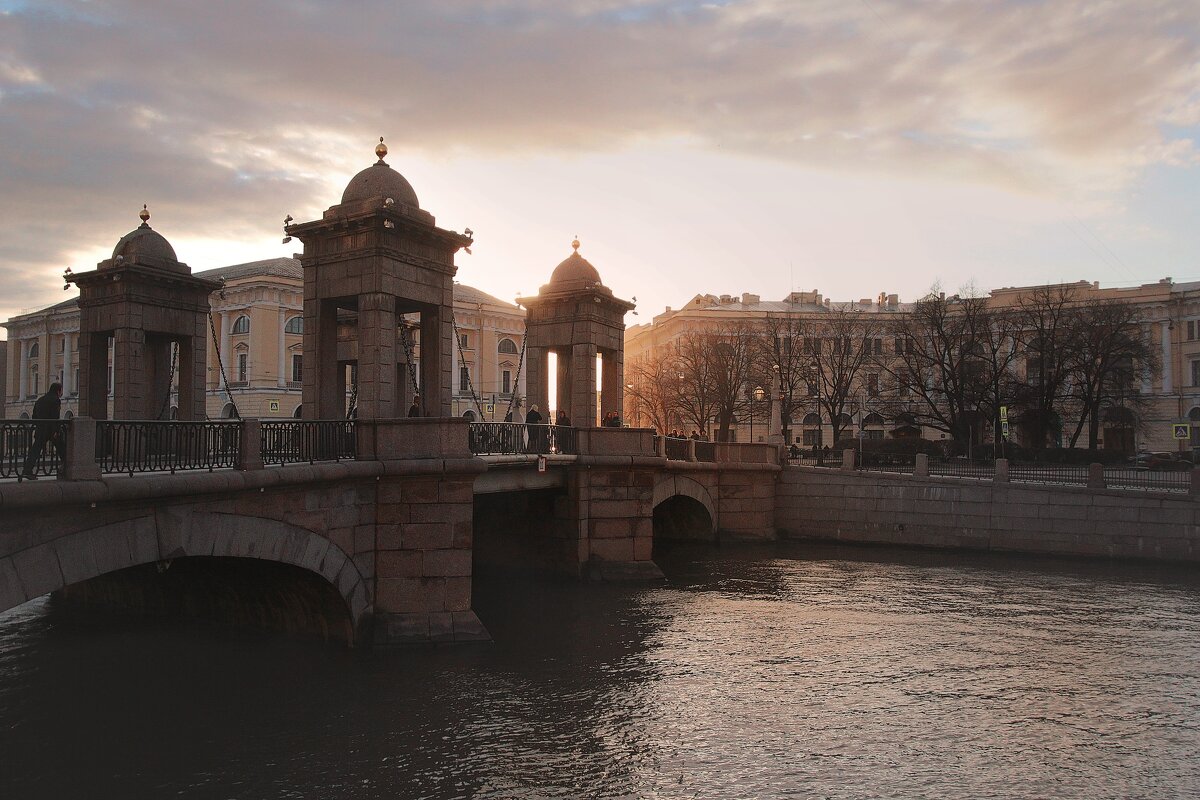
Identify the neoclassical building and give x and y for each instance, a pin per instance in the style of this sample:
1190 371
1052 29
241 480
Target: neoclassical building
1169 315
256 365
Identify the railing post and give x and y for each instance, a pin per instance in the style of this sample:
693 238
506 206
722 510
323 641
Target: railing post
1001 475
1095 479
691 449
1194 487
848 459
250 445
660 446
921 465
80 461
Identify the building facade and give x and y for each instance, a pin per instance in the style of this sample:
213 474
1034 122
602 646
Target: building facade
1168 315
255 362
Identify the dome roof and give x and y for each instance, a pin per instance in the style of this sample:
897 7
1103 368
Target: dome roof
380 180
574 269
144 245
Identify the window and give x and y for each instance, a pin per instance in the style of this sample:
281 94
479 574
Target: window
297 367
33 350
812 387
463 341
75 382
507 346
464 378
241 325
242 361
872 346
873 383
294 325
1191 330
34 386
1196 373
812 438
506 381
62 344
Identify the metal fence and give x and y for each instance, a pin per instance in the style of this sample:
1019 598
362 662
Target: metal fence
1061 474
962 468
296 441
886 462
153 446
18 438
677 449
1147 479
517 438
808 458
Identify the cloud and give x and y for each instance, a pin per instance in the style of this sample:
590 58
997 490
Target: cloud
222 114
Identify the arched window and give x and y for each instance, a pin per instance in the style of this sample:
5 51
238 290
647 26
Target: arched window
812 419
241 325
34 386
872 419
294 325
34 350
507 346
229 411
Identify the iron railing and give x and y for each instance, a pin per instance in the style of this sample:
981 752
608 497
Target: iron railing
962 468
295 441
677 449
819 459
1060 474
167 446
516 438
1148 479
19 437
886 462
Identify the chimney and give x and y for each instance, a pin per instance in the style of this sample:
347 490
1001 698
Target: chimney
893 300
941 295
749 299
882 299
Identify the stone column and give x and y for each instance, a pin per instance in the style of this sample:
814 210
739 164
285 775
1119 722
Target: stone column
282 377
22 359
582 408
537 365
93 375
848 459
67 376
1095 479
321 369
250 445
921 466
377 357
80 462
1001 470
191 369
437 362
1167 365
129 378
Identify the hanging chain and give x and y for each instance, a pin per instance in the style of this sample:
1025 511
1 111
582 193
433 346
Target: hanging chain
170 380
462 359
408 356
352 409
512 396
212 326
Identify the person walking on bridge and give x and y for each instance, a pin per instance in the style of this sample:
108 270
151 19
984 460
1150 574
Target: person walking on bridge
47 408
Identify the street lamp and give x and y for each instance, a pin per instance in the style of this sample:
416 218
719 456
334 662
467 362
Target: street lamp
756 396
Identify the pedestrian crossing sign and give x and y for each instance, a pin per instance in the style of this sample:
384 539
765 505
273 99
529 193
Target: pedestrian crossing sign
1182 430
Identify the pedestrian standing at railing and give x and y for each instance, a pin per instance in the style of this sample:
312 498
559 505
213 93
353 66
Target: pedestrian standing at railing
47 408
415 409
562 419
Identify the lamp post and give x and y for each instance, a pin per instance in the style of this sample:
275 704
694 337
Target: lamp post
756 396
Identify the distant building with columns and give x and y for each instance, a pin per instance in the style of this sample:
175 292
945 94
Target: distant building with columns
258 320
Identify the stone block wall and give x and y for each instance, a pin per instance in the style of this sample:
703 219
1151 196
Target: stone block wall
982 515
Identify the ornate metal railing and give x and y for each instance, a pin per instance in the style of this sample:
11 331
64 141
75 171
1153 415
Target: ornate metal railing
885 462
293 441
1060 474
513 438
153 446
962 468
19 437
677 449
1148 479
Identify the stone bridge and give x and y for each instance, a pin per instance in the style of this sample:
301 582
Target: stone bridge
378 548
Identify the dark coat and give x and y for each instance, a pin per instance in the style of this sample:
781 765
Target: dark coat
414 410
533 418
47 406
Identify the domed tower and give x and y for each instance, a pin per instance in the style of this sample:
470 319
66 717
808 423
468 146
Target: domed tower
377 254
146 301
576 317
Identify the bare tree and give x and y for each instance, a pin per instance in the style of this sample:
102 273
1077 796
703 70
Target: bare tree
838 352
695 369
783 349
951 368
732 350
1048 326
1109 357
653 391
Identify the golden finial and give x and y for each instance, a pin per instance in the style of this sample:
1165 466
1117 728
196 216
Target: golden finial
144 215
381 149
575 243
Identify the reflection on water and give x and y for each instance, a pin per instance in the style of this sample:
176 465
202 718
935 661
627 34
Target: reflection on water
768 672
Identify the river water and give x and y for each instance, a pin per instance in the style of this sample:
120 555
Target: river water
778 671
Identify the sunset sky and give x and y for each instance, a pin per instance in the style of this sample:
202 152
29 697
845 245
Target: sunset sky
849 146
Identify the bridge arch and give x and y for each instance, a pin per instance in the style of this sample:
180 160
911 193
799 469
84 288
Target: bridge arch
94 552
672 497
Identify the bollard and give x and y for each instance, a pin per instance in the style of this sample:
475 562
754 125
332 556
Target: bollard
79 463
660 447
848 459
691 449
250 445
1001 475
1095 479
921 466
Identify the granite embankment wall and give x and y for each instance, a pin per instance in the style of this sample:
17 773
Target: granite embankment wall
883 508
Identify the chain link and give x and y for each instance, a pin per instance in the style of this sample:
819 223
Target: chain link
212 326
170 380
462 358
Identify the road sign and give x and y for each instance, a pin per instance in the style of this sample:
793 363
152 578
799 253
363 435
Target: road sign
541 463
274 405
489 408
1181 430
1004 415
1004 429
